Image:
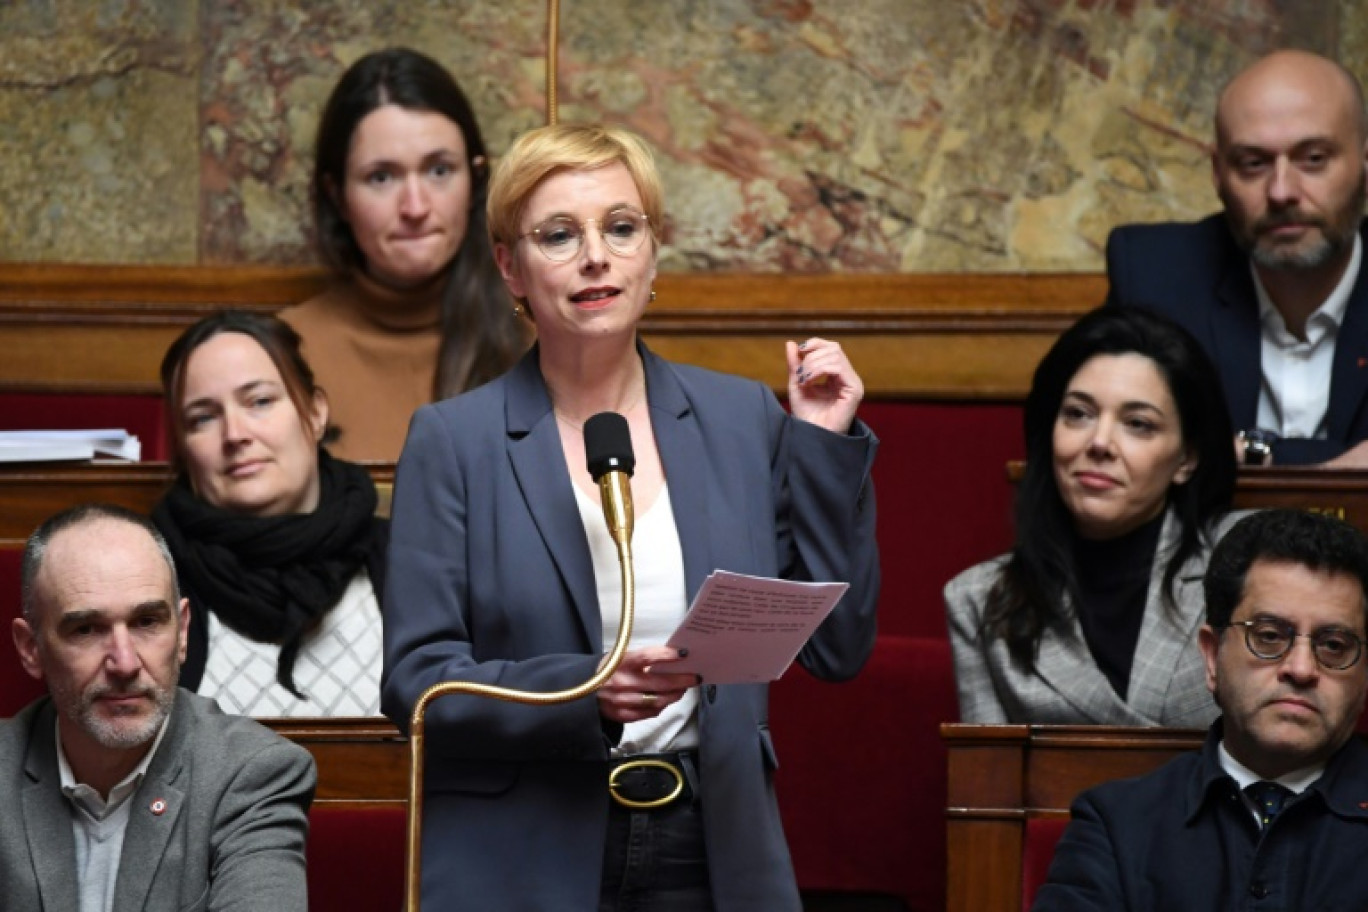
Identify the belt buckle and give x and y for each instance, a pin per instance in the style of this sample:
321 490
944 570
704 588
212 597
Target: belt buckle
645 764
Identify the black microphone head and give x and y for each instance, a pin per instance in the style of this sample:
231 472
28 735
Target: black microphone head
608 445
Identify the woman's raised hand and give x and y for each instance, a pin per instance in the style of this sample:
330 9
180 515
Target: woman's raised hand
823 387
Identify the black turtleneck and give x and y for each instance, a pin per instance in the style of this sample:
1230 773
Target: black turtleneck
1113 584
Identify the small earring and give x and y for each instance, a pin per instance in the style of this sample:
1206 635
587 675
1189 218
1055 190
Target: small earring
653 294
517 310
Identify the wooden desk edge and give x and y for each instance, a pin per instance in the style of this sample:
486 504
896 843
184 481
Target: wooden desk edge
994 771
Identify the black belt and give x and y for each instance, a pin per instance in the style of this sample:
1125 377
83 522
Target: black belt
646 781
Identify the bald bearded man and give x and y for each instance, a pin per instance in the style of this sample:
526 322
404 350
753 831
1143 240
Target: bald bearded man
120 791
1273 288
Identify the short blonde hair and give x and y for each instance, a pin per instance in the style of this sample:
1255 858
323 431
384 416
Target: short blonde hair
540 153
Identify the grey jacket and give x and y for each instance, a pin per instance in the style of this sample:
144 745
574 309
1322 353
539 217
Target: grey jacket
1167 681
230 837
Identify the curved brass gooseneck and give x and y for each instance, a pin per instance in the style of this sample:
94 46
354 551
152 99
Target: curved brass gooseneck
620 527
622 536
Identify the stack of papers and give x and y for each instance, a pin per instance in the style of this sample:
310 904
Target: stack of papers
63 446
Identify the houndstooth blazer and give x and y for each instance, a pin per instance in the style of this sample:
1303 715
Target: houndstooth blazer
1167 680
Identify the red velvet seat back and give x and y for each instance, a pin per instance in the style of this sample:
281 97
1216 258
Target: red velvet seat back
17 689
862 778
356 857
944 501
1042 835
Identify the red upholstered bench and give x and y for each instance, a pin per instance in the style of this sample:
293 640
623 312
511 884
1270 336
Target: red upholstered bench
356 857
17 689
1042 835
944 502
862 773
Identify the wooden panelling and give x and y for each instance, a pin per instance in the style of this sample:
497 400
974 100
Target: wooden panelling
984 866
360 761
1339 492
1003 775
104 328
30 493
151 291
1342 493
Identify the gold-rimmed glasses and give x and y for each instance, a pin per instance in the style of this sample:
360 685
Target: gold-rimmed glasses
560 238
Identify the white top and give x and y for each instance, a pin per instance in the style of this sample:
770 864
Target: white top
99 826
338 667
1294 393
1296 781
658 564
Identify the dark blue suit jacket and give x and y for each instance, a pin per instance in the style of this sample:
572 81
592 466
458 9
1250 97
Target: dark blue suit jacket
1194 274
1182 839
491 580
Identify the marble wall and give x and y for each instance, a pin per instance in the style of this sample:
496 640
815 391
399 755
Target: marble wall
794 135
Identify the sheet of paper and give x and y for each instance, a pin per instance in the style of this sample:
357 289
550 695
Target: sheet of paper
49 445
45 450
745 629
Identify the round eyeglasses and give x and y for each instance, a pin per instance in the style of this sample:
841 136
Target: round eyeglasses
1334 647
560 237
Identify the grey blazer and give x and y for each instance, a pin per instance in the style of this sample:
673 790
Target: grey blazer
1167 681
491 580
231 836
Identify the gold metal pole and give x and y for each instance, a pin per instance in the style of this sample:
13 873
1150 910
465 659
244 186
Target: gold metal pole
620 528
552 59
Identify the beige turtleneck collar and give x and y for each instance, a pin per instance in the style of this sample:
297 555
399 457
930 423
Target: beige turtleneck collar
373 350
399 309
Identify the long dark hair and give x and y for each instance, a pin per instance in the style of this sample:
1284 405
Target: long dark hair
1039 580
481 337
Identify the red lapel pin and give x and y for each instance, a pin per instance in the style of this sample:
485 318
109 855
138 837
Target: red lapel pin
159 806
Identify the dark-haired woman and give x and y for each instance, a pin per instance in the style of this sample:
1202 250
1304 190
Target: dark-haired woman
1092 617
276 543
418 310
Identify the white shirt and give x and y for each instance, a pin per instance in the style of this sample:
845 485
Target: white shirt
337 669
1296 781
1294 391
99 826
660 607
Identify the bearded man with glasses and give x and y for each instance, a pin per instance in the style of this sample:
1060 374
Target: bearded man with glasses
1272 812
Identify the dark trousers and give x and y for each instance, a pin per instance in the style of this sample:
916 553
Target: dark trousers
655 860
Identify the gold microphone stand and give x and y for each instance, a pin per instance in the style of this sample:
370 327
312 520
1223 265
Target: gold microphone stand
552 60
615 492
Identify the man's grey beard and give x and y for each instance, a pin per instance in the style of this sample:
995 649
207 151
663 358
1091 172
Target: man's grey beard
111 735
1303 259
1337 238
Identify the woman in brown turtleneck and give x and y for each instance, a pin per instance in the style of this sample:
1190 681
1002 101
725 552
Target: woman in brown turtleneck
418 310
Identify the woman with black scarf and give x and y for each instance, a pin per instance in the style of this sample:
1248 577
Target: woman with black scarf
276 543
